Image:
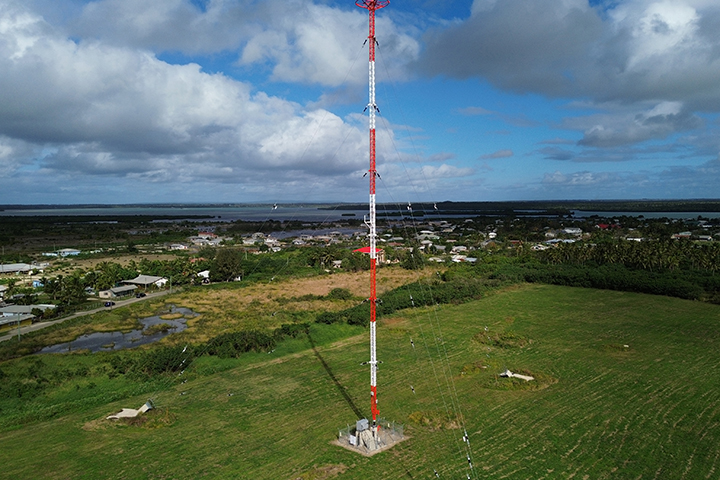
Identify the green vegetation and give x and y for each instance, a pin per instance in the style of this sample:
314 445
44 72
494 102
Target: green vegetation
620 392
623 384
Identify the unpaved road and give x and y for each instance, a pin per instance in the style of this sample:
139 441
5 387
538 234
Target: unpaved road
13 333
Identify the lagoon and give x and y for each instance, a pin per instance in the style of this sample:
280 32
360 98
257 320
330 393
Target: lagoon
111 341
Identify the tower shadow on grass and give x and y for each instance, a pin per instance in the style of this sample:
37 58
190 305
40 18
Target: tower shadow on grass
337 383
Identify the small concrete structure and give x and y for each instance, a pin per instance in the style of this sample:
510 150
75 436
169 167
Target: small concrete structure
508 374
368 440
130 412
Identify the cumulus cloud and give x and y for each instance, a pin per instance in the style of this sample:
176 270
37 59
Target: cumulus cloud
556 153
629 127
441 157
669 182
558 141
583 179
297 41
499 154
517 45
631 53
472 111
88 107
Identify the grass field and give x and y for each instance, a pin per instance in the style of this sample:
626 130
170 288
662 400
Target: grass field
627 387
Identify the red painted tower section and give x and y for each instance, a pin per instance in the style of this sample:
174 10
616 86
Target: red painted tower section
371 6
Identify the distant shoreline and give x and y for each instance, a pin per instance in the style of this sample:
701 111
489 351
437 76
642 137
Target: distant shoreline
323 212
683 205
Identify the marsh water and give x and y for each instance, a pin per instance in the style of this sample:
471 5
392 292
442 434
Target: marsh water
110 341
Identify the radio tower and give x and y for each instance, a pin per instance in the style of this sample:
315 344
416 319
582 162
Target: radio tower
371 6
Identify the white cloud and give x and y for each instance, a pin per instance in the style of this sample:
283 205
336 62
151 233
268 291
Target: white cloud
499 154
634 51
625 126
583 179
668 183
472 111
118 112
298 41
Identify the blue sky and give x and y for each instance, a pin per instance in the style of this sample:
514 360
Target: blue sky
129 101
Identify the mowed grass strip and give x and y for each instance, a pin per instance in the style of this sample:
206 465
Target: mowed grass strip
634 395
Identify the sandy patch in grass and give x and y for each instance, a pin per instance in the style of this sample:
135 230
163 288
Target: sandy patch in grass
122 260
265 306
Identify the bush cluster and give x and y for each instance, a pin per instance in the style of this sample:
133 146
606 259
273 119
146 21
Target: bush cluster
417 294
690 285
156 361
167 359
232 345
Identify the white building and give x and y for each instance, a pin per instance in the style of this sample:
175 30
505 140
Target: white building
147 280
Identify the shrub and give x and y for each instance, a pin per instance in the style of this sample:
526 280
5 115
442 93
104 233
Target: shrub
231 345
339 294
291 330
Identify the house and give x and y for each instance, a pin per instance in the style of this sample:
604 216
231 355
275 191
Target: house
379 254
271 241
116 292
463 259
147 280
427 235
204 274
13 321
555 241
16 268
681 236
19 315
11 310
65 252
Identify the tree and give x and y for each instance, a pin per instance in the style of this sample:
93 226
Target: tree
72 290
414 259
11 288
227 266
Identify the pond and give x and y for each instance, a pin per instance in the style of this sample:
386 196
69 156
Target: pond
154 328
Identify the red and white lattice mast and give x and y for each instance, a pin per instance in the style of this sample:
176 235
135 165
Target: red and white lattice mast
371 6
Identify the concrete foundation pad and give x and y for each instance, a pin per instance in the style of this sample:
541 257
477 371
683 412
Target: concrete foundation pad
387 441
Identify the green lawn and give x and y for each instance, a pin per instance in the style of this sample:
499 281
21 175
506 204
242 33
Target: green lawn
599 409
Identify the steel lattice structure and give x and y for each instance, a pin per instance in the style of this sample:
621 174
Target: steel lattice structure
371 6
